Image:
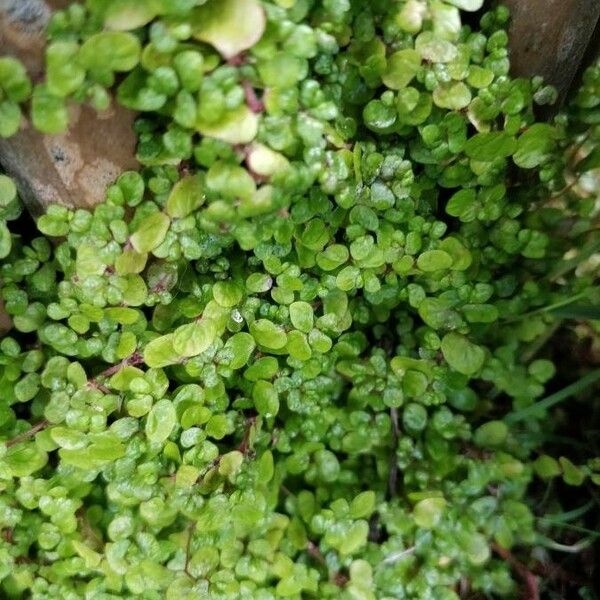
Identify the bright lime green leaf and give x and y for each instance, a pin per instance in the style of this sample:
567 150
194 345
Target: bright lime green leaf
446 20
111 50
434 260
14 81
10 118
123 378
218 314
282 70
238 126
461 354
363 505
217 427
479 77
194 338
24 459
230 464
103 449
227 293
333 257
260 203
26 389
5 240
355 538
268 334
49 112
150 233
298 346
266 398
490 146
231 26
475 546
89 261
302 316
189 65
160 421
241 346
130 262
435 49
428 512
135 291
535 145
125 15
454 96
32 319
186 196
265 162
258 283
145 576
230 181
8 191
402 66
76 375
160 352
91 557
68 438
122 314
64 75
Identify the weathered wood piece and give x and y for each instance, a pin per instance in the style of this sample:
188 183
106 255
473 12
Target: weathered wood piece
74 168
550 38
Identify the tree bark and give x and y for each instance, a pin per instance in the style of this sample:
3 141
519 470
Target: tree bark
550 38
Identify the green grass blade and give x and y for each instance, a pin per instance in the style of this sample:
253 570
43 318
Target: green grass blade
556 398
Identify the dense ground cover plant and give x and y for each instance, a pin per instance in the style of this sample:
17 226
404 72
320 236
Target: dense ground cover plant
296 355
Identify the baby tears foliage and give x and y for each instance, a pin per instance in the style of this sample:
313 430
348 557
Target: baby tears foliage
290 357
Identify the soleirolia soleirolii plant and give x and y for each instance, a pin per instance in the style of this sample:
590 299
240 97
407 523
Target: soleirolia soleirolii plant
295 356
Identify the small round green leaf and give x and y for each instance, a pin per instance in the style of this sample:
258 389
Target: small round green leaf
490 146
434 260
194 338
111 50
160 421
461 354
268 334
428 512
402 66
186 196
231 26
150 233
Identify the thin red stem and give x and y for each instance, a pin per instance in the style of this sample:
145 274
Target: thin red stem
252 100
28 434
531 582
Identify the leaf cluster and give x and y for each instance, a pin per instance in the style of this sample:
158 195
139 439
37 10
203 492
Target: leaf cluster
281 360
